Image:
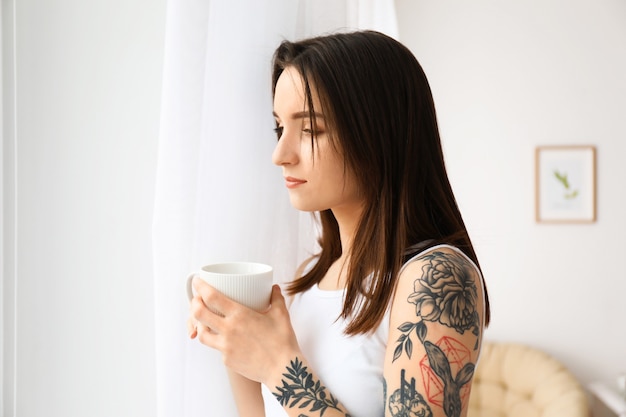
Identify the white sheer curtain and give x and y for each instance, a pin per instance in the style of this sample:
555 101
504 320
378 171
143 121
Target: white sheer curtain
218 197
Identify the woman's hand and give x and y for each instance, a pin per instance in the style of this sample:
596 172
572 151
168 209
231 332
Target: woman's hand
255 345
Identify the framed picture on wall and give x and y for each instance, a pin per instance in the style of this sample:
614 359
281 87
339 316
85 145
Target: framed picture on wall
565 184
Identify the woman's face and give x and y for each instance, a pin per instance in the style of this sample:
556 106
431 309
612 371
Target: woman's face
316 176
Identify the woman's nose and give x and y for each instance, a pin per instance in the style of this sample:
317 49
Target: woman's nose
285 152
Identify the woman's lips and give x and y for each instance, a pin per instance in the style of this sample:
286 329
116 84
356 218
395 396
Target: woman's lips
292 182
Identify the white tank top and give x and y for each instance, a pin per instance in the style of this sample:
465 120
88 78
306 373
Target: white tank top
351 367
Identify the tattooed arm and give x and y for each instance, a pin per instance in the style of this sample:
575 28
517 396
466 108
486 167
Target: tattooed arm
261 347
302 394
436 327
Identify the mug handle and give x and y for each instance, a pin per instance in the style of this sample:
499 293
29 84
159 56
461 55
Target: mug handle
189 287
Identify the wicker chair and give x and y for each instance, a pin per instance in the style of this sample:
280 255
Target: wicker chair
514 380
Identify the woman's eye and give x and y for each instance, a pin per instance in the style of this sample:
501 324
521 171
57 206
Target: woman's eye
313 131
279 131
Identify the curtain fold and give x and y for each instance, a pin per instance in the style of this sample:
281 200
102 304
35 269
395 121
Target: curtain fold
218 196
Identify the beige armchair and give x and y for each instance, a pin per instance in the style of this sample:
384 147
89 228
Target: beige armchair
514 380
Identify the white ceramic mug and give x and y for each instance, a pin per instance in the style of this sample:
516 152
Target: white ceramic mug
247 283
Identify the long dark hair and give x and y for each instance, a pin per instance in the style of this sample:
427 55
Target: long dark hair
380 113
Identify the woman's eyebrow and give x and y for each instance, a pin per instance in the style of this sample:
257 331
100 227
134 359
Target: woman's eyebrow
302 115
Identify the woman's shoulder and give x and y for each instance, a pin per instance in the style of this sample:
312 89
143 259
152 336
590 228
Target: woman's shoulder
438 278
437 254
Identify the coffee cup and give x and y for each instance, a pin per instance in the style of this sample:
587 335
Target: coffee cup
248 283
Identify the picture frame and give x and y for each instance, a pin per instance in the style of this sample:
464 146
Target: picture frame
565 184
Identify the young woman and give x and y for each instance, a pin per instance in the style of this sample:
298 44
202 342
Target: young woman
388 318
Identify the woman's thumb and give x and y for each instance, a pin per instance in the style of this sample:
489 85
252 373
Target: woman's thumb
277 296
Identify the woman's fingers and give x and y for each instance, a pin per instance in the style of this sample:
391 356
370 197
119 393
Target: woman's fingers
203 315
207 337
209 307
204 323
192 328
213 299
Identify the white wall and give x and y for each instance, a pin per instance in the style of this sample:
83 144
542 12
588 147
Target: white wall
508 76
80 285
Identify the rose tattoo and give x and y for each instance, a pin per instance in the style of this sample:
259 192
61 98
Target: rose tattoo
446 292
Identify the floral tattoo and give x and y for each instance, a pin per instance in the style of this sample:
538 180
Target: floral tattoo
445 293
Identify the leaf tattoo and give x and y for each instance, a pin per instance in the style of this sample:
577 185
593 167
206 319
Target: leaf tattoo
300 389
405 342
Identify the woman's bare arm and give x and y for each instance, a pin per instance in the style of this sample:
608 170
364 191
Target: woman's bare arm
436 328
247 395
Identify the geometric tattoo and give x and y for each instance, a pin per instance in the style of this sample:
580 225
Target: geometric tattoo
452 383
